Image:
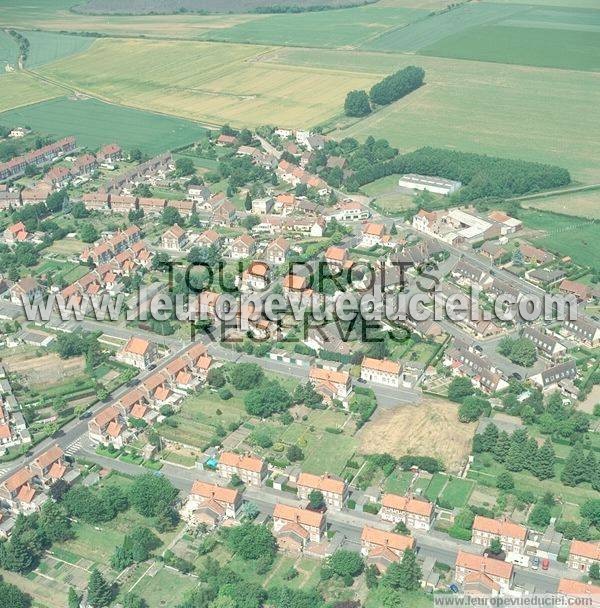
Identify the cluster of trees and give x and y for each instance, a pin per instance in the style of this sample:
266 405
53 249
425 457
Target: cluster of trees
517 451
23 43
520 351
425 463
473 403
11 595
581 467
400 577
137 547
390 89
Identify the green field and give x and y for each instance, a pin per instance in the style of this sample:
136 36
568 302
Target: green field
429 31
46 47
339 28
436 485
19 89
565 235
95 123
545 47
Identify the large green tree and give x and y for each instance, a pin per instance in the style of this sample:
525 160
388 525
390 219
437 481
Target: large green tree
357 104
99 591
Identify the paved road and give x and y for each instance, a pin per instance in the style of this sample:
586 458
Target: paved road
348 523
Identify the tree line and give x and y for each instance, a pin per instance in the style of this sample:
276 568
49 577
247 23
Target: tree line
482 176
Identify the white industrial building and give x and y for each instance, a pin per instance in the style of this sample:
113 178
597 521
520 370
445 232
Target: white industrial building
437 185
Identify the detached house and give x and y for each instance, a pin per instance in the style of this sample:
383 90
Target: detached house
336 257
331 384
256 277
552 377
383 548
294 528
373 235
243 247
26 289
17 233
512 536
211 504
583 554
334 490
250 469
277 251
381 371
413 512
174 238
573 288
138 352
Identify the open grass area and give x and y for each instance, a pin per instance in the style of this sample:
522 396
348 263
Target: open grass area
95 123
565 235
398 482
46 47
19 89
165 588
436 485
216 83
581 204
340 28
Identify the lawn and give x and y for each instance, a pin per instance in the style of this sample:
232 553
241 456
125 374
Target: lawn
581 204
165 588
216 83
19 89
327 453
457 491
551 47
437 483
398 482
565 235
46 47
340 28
95 123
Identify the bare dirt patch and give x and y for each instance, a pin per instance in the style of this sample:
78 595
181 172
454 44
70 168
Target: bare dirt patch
430 428
46 370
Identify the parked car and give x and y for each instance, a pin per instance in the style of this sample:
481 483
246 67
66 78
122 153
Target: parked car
545 563
535 563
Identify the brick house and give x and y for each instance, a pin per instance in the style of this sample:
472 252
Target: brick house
470 566
332 385
381 371
382 548
334 490
414 513
138 352
294 528
211 504
250 469
583 554
512 536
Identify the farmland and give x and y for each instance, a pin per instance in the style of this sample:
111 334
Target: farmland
8 50
217 83
95 123
431 30
346 27
20 89
46 47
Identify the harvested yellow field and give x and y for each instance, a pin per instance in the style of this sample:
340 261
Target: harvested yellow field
209 82
430 428
19 89
582 204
